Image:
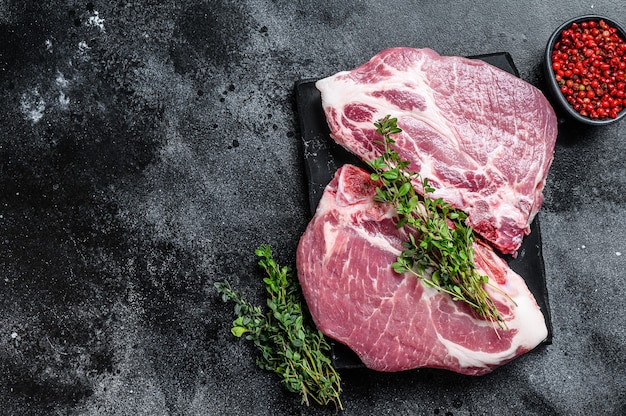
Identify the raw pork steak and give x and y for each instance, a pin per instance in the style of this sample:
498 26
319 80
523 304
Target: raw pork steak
392 321
483 137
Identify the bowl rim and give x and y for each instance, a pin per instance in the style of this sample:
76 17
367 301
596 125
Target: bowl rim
550 75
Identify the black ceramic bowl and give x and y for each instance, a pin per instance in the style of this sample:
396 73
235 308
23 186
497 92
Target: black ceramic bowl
559 100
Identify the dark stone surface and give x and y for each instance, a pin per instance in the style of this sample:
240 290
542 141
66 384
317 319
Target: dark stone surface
147 148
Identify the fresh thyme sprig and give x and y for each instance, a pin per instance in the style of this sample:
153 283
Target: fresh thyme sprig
440 253
289 343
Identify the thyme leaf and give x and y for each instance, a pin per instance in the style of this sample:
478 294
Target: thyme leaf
288 341
440 253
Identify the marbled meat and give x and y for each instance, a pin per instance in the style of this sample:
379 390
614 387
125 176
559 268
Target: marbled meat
483 137
392 321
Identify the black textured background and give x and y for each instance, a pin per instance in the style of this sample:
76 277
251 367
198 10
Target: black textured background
148 147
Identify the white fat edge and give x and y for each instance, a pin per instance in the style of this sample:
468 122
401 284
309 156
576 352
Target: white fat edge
526 318
531 332
529 321
526 314
322 84
468 358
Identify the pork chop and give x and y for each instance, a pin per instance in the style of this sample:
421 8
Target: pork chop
392 321
483 137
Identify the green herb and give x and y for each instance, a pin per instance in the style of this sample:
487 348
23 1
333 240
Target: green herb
289 343
440 253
